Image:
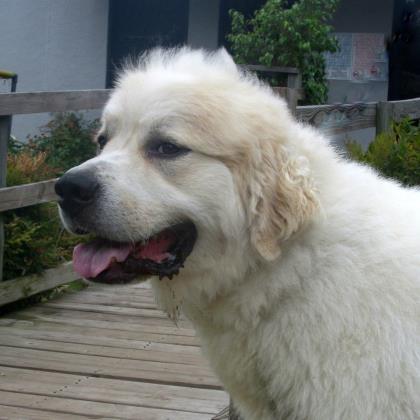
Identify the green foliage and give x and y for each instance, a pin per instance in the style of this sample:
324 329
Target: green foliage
34 237
66 140
395 154
34 241
296 36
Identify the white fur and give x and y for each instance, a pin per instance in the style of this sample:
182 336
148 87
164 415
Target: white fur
304 282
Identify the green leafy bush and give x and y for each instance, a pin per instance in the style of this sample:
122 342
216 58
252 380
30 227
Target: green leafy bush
395 154
34 241
67 140
34 237
284 35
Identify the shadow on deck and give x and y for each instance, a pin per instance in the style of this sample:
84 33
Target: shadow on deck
105 352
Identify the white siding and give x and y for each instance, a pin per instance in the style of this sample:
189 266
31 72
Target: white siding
53 45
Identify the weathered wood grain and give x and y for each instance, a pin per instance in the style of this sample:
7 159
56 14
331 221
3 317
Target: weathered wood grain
75 358
38 102
109 367
107 320
106 309
27 195
19 412
113 391
65 407
121 300
340 118
383 117
115 339
408 108
145 351
12 290
50 326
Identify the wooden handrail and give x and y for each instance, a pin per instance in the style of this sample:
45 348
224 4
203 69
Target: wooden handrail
27 195
332 119
22 287
38 102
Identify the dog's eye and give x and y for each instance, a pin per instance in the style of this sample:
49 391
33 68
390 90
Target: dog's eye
166 150
101 140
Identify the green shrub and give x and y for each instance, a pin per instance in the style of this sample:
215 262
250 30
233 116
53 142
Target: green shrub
34 241
67 140
395 154
283 35
34 237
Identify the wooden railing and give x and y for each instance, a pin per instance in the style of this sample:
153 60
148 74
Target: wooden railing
332 119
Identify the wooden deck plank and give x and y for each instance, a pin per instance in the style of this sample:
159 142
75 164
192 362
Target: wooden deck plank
104 353
101 366
119 301
93 408
74 335
106 309
106 321
143 333
129 321
113 391
8 412
66 346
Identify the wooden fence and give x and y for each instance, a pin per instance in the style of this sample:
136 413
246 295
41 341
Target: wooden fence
332 119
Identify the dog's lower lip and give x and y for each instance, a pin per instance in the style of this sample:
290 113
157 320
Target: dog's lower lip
163 254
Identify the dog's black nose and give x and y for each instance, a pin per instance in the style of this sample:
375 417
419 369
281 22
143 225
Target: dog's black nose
76 190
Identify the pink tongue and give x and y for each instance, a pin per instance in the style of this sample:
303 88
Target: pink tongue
92 258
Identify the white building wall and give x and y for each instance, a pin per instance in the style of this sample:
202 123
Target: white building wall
53 45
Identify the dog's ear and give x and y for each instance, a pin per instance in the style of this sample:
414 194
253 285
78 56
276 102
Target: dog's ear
282 197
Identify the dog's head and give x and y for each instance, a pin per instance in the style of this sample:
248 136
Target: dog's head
197 168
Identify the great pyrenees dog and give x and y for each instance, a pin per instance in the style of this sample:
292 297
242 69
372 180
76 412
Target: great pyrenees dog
300 270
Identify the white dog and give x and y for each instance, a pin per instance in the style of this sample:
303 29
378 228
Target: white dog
300 270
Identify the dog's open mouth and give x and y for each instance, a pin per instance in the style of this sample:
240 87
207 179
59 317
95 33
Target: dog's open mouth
162 254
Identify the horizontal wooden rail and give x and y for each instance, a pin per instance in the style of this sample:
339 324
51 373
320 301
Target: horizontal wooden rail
274 69
27 195
340 118
331 119
37 102
409 108
22 287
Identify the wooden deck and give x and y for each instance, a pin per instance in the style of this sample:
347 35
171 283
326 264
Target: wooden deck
104 352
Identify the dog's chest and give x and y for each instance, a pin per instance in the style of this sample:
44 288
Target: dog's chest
234 357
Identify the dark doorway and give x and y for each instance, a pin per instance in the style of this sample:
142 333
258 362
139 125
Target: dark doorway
138 25
404 51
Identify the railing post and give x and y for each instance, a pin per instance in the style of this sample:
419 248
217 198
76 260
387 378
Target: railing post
294 80
5 126
383 117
